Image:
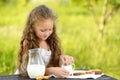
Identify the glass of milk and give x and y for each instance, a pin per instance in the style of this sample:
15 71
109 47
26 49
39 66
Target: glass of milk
35 65
70 68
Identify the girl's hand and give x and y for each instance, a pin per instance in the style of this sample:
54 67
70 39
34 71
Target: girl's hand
58 71
65 59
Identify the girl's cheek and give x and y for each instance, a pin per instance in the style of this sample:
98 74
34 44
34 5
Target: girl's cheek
41 33
51 32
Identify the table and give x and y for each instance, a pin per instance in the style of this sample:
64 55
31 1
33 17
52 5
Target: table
18 77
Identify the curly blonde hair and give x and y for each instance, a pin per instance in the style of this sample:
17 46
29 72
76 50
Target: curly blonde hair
29 39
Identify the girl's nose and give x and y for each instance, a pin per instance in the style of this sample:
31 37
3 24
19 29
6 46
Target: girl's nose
47 33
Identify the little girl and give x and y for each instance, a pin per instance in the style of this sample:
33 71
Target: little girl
40 32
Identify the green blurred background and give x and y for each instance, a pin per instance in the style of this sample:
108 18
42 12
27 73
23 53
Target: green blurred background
76 27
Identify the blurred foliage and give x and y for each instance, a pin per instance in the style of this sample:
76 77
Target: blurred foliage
76 29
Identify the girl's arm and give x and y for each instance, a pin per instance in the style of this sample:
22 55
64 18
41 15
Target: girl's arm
57 71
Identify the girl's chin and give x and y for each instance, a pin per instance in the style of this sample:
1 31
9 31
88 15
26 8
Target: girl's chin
44 38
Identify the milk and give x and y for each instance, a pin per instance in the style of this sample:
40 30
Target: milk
35 70
69 68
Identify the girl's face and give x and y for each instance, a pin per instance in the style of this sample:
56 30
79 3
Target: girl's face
44 28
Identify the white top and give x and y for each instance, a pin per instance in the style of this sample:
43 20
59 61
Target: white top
45 56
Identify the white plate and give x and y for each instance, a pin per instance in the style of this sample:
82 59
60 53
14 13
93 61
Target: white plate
86 75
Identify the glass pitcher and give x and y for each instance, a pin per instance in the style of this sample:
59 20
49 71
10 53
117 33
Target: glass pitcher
35 65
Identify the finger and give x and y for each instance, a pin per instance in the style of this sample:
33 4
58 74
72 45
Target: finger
66 73
66 60
64 76
62 59
71 59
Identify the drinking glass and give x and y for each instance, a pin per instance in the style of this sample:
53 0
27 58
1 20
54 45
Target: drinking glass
70 68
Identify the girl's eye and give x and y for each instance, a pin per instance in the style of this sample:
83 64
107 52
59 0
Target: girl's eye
42 30
46 30
50 29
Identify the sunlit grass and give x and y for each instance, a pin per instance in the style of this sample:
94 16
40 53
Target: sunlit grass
78 34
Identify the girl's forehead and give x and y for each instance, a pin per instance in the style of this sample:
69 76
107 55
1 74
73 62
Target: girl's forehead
44 23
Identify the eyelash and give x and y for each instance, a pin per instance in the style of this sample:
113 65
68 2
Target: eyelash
50 29
42 30
45 30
